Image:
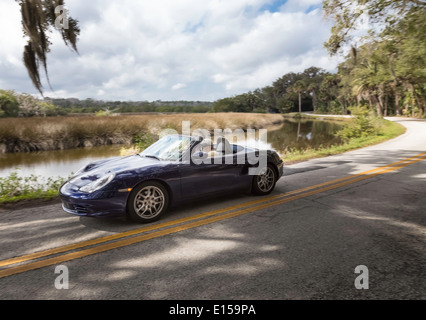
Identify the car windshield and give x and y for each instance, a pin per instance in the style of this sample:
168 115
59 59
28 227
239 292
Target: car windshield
169 148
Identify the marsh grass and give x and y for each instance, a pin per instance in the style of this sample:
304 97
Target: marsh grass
14 131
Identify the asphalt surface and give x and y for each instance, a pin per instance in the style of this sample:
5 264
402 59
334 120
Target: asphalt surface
301 245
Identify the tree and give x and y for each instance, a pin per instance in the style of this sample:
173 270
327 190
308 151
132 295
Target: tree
28 106
371 74
299 87
286 98
405 42
349 15
9 106
388 68
39 17
313 78
330 89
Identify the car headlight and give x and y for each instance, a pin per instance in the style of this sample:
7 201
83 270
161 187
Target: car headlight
97 184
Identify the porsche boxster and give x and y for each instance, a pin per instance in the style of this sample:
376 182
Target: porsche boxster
174 170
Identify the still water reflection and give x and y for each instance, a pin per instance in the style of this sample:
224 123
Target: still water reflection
303 134
59 163
299 135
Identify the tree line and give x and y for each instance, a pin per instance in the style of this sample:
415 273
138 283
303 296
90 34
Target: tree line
314 89
13 104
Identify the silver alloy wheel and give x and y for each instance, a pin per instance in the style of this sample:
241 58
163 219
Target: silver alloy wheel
265 181
149 202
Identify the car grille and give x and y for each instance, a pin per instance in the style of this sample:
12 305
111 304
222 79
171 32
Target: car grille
76 208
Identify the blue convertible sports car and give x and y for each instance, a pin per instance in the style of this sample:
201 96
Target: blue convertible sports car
173 170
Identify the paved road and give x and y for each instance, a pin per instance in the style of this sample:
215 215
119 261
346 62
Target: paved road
326 217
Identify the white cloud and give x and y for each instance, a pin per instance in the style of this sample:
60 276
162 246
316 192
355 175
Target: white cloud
11 29
167 49
277 43
178 86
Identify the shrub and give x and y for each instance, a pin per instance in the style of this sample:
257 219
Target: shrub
363 124
143 141
15 188
9 106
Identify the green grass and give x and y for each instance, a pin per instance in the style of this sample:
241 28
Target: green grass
388 130
15 188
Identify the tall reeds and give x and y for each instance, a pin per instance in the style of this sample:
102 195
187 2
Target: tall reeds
30 134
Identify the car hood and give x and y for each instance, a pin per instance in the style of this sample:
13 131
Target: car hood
96 170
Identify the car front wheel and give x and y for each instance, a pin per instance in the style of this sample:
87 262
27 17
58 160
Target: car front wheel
264 183
148 202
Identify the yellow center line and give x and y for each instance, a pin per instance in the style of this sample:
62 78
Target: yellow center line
208 219
129 233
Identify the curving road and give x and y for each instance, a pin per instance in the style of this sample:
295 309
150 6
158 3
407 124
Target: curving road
325 218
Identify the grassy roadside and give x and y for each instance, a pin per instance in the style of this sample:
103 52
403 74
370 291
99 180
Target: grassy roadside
388 130
15 188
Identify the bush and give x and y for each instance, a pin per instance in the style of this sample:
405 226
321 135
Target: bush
259 110
9 106
14 187
364 123
144 141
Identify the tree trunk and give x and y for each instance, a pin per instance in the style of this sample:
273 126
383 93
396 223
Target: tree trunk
386 106
300 102
379 104
395 85
314 100
421 103
370 100
397 107
413 98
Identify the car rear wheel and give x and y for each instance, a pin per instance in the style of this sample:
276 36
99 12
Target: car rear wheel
264 183
148 202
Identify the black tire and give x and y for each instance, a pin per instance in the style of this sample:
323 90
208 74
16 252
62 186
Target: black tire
263 184
147 202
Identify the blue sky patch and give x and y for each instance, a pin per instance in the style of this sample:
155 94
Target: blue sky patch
273 6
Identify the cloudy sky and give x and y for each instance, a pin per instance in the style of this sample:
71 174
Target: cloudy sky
171 49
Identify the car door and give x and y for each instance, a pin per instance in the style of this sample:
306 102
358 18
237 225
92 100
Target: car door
214 175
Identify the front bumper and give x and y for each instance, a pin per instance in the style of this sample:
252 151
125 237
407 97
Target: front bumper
100 203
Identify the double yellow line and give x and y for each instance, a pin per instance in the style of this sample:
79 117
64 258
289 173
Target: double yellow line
103 244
